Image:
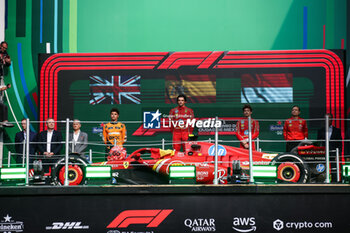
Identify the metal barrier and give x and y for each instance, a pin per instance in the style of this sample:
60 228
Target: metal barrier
163 144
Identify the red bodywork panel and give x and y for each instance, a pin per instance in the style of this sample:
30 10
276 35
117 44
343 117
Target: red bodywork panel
311 150
200 154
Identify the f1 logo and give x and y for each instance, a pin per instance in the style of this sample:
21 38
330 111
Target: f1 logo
151 217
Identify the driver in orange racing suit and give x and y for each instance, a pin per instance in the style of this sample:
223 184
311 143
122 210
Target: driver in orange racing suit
114 131
178 119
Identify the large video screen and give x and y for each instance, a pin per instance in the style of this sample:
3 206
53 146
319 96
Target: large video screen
217 84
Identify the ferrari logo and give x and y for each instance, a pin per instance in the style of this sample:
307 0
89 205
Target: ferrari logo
126 165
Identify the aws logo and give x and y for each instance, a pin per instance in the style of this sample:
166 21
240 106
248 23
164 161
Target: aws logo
244 224
150 217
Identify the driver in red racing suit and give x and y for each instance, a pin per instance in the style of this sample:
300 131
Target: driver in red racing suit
295 129
243 128
178 118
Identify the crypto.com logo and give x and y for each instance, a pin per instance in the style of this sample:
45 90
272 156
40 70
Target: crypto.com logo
151 217
278 224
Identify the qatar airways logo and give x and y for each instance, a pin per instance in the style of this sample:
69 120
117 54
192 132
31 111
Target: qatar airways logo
200 224
153 120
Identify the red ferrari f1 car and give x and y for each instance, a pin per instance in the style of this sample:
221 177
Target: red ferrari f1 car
151 165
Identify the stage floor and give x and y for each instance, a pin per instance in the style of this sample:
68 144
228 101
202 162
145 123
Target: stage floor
176 189
176 208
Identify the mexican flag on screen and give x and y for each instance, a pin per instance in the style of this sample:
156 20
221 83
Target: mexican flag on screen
267 88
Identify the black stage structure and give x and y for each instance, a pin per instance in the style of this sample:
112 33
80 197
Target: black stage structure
183 208
176 208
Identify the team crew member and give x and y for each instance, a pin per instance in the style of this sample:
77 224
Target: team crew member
114 131
3 108
295 128
178 119
243 128
5 60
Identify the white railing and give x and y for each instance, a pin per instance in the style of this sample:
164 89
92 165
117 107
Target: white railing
164 144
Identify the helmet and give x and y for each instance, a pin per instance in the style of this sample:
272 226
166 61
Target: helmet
116 153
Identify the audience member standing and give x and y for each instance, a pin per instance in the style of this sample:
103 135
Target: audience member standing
78 138
22 136
49 143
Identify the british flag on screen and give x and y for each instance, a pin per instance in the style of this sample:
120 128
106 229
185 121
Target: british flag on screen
120 89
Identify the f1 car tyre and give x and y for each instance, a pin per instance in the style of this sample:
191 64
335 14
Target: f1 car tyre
76 171
288 171
291 168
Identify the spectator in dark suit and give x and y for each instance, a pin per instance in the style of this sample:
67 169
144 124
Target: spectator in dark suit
19 138
78 138
335 138
49 143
